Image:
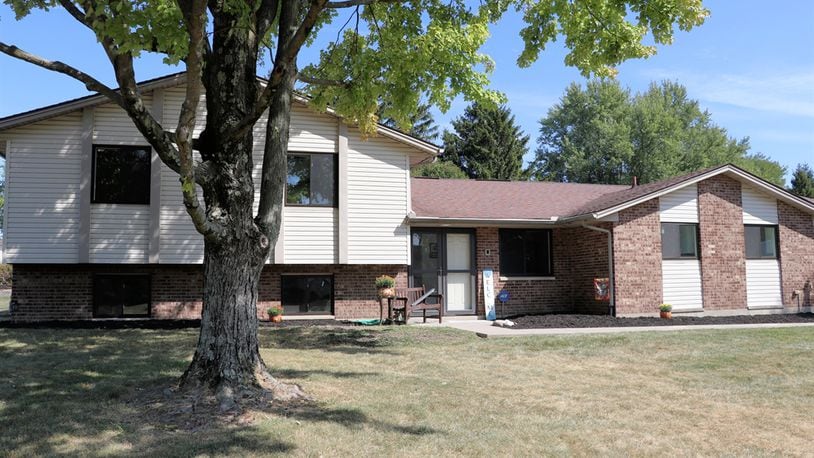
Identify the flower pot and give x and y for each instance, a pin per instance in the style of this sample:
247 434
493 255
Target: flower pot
666 315
387 292
276 318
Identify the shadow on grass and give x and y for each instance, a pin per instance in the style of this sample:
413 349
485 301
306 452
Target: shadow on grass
352 418
334 339
65 392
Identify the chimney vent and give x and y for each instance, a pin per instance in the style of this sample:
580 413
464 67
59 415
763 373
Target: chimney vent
635 181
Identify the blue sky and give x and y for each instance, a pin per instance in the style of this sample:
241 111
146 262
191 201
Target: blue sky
751 65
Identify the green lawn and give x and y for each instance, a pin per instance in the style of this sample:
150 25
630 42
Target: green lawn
427 391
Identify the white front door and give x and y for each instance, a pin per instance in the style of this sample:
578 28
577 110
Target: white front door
460 284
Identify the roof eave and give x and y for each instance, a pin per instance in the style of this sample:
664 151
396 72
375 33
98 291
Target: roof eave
480 222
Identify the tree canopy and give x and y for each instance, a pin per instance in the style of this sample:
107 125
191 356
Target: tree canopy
802 181
421 123
486 143
438 169
601 133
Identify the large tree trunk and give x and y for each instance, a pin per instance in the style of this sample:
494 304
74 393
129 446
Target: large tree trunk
227 359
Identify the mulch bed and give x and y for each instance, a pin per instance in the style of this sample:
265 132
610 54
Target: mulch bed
607 321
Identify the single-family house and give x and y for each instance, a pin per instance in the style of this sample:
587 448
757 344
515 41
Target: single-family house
95 228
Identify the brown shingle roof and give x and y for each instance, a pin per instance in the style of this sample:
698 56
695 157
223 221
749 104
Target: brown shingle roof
529 200
630 193
473 199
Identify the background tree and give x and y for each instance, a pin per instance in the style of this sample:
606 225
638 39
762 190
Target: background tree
586 137
438 169
487 143
603 134
802 182
397 53
421 124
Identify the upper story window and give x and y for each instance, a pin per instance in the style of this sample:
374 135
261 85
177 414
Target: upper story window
679 241
761 242
526 253
121 175
311 180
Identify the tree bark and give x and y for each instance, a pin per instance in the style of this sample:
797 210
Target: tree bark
227 360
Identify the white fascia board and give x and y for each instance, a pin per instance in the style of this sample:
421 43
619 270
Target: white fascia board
83 102
769 188
480 222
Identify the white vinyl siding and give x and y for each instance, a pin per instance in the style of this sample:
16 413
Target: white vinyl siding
43 170
680 206
762 275
681 278
119 234
681 282
310 131
377 187
44 174
112 125
310 235
179 242
758 208
763 283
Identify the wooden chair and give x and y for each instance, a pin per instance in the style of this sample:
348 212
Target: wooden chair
409 300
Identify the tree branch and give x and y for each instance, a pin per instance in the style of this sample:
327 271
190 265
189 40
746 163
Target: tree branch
90 83
264 17
323 81
195 18
288 47
353 3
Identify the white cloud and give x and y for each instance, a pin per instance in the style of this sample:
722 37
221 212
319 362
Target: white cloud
785 92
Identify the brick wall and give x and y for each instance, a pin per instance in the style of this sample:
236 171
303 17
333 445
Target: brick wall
587 259
637 259
579 254
723 264
796 252
56 292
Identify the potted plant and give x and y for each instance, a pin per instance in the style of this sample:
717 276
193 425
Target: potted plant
385 286
666 311
275 314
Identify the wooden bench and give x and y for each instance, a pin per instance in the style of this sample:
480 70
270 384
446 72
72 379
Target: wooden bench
409 300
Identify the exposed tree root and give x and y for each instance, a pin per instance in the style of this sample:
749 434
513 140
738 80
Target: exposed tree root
198 407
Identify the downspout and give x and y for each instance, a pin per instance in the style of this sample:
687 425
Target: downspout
612 280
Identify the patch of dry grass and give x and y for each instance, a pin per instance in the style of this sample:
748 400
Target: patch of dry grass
427 391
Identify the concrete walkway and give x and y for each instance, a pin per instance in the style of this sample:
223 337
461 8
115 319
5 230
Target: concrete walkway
485 329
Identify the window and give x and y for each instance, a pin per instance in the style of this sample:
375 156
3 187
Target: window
679 241
525 252
121 175
121 296
307 294
311 180
761 242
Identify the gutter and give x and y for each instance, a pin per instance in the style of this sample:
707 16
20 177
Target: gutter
612 304
485 222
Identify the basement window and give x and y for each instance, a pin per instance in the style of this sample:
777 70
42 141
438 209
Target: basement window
121 175
761 242
679 241
121 296
311 180
307 294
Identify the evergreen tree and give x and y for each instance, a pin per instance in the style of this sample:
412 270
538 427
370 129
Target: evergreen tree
420 124
802 182
487 143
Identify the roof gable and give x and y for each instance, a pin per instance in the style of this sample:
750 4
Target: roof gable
51 111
